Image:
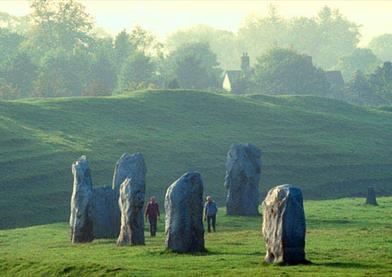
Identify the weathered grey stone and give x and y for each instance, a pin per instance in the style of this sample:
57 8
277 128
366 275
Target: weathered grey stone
128 166
80 220
131 203
284 225
184 214
371 197
106 213
243 168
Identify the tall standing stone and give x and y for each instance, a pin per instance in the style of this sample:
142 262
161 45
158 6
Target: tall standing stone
80 221
131 203
184 214
106 213
128 166
284 225
243 168
371 197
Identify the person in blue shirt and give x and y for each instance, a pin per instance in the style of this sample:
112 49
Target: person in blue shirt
210 211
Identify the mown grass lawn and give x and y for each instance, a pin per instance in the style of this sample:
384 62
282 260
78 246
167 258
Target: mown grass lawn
344 238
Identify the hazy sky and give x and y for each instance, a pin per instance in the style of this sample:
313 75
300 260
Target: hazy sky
163 17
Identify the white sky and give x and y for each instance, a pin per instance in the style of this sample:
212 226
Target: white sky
165 16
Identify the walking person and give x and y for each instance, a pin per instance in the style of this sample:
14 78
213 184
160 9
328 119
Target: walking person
210 211
152 213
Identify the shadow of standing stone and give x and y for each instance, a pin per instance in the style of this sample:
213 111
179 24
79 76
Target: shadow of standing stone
80 220
371 197
284 226
184 214
243 168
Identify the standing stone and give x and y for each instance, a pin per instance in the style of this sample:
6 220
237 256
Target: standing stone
80 221
131 203
284 225
128 166
371 197
106 213
243 168
184 214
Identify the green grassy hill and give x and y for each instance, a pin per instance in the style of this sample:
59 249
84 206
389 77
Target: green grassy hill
329 148
344 238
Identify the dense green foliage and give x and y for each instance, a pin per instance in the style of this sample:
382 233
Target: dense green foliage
194 66
57 51
329 148
344 238
361 59
382 46
283 71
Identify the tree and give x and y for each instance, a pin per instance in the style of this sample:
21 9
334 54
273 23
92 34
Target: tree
284 71
382 47
137 72
381 81
259 34
145 42
194 66
360 92
8 91
223 43
123 48
361 59
59 24
337 37
9 44
325 37
101 79
62 74
20 73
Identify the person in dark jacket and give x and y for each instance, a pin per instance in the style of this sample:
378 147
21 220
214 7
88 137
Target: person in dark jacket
210 211
152 213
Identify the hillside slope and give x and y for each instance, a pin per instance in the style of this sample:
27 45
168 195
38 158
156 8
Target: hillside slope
329 148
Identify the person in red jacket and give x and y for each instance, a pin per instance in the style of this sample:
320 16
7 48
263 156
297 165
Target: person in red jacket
152 213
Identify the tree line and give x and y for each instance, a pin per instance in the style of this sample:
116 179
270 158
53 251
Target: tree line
57 51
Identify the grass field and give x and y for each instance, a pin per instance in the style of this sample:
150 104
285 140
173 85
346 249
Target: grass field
344 238
329 148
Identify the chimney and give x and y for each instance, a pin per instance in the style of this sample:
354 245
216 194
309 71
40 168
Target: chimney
245 63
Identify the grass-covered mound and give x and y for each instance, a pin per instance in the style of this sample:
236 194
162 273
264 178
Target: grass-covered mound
328 148
344 238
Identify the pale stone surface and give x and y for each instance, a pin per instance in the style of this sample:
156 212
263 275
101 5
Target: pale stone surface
128 166
131 202
184 214
81 221
284 225
243 168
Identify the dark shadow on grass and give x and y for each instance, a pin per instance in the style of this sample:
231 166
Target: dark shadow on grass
347 265
329 221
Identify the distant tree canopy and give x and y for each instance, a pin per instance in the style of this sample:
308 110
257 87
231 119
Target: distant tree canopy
284 71
381 81
360 59
382 47
326 37
138 72
57 51
194 66
223 43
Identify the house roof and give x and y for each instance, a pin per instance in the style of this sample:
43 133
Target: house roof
233 75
